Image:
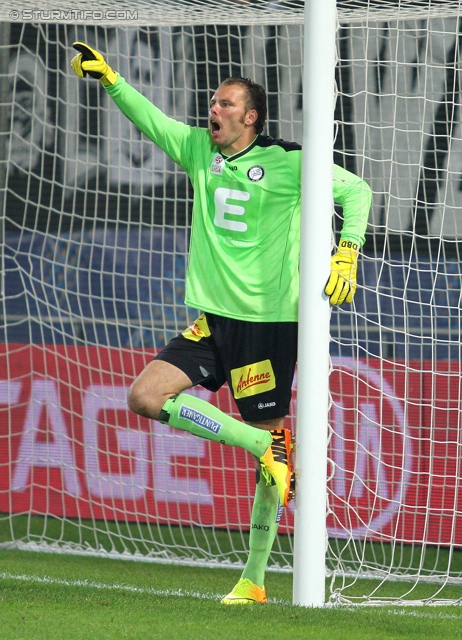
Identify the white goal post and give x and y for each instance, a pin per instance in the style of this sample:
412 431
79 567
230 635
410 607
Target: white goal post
94 235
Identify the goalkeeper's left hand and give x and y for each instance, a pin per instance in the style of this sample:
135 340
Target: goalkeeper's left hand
341 286
92 62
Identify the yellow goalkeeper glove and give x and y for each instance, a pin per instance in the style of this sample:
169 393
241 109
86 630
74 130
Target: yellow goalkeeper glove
92 62
341 286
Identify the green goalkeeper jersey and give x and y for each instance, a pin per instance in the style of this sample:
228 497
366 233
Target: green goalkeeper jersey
244 247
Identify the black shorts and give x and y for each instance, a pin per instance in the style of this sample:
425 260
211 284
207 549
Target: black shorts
256 359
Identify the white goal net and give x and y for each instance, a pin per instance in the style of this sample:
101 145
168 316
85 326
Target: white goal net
94 232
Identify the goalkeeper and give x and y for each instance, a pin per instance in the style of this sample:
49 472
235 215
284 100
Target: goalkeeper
243 276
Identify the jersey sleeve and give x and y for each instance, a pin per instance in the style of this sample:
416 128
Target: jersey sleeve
175 138
355 196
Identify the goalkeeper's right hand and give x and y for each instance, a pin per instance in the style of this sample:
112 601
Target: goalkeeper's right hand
92 62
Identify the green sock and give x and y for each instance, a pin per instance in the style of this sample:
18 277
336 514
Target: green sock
201 418
266 513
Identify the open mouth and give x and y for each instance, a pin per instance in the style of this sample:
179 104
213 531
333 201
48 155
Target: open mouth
214 126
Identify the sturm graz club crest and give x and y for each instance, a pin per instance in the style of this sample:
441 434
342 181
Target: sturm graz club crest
255 173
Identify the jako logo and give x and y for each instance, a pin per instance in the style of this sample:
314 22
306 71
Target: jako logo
260 527
264 405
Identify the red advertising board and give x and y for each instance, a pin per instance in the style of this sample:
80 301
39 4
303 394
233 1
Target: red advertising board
70 447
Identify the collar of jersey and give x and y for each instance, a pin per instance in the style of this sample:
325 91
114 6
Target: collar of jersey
243 152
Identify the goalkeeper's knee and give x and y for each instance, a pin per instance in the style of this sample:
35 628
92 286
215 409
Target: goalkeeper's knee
90 61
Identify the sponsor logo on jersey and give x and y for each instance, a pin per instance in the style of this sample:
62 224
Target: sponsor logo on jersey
255 173
200 419
197 330
218 163
253 379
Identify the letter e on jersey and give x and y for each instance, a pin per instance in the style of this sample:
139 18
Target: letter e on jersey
223 209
